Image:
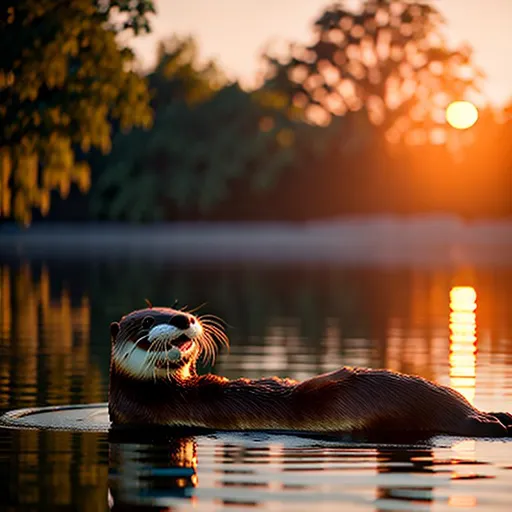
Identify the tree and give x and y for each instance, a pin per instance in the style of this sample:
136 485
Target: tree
202 140
191 158
64 78
390 58
178 75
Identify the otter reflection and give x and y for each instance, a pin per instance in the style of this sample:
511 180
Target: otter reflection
156 476
407 462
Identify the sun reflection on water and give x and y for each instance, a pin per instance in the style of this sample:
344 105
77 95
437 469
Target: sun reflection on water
463 340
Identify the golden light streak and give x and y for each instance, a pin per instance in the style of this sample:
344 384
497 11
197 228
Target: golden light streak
461 115
463 340
462 501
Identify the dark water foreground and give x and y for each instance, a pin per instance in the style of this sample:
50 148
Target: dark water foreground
450 322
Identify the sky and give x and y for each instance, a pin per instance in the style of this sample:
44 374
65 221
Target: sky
235 32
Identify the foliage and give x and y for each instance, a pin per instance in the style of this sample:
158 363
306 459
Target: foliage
191 156
388 62
390 58
63 78
203 138
311 142
178 74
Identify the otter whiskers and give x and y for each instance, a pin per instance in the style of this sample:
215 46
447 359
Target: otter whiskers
154 352
150 360
130 352
167 370
212 336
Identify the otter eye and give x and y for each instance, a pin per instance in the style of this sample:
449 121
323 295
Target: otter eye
148 322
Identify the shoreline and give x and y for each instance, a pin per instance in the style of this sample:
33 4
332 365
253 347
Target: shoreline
383 239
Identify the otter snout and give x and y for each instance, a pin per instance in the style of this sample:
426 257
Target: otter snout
163 333
179 328
182 321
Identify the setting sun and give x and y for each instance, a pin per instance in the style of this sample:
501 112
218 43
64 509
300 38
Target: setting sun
461 114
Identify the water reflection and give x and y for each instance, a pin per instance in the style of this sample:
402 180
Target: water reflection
286 321
44 470
409 462
292 321
45 342
156 475
463 340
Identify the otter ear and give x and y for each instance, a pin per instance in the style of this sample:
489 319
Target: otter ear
114 330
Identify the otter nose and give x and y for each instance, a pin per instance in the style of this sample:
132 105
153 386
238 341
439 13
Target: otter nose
180 321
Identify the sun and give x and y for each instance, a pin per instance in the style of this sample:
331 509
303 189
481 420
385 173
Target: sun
461 114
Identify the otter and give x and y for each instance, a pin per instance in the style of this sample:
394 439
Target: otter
154 382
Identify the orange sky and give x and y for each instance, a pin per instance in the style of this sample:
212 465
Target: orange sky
235 31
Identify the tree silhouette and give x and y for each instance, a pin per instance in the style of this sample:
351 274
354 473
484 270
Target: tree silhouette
390 58
202 140
63 79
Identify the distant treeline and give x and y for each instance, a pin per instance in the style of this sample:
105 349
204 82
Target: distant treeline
352 124
475 183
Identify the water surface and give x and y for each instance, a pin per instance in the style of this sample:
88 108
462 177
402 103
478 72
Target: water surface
451 324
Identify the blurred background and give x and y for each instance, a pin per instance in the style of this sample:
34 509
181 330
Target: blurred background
142 112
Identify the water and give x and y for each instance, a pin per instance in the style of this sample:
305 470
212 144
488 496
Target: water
287 320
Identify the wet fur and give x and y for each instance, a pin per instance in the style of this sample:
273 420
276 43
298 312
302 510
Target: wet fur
347 400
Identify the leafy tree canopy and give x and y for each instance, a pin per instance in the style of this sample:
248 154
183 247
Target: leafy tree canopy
203 138
64 77
180 76
390 58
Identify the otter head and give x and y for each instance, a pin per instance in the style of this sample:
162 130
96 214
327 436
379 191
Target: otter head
162 343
